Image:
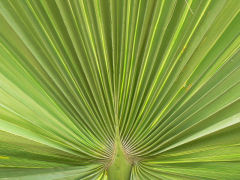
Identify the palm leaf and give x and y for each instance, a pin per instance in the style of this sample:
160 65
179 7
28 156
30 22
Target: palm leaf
119 89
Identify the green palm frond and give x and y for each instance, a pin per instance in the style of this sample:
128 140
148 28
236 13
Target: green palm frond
120 89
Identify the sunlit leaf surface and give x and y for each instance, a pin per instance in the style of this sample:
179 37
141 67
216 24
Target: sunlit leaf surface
120 89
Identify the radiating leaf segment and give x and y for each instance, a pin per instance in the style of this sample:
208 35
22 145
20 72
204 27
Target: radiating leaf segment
119 89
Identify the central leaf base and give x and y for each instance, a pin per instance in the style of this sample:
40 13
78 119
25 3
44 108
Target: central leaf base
120 169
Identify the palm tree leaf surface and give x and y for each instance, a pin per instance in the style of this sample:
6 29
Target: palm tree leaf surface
119 89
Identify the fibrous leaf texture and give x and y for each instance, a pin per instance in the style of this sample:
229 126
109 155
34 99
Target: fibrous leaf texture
120 89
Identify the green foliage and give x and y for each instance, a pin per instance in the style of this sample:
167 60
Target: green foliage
120 89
